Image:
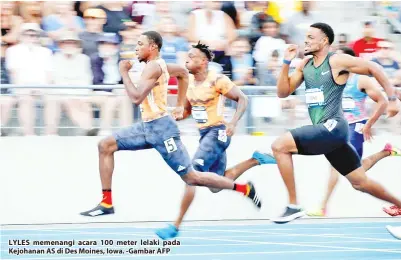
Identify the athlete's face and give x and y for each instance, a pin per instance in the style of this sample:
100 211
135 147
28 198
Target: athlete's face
315 41
144 48
195 60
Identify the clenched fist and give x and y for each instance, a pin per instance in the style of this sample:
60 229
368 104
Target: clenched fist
291 52
125 66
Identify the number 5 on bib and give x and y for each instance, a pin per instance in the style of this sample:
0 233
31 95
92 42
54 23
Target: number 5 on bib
170 145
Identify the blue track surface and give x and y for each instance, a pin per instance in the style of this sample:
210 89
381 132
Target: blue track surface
304 239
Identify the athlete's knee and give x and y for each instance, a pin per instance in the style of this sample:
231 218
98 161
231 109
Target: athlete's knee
195 178
192 178
360 186
107 145
283 144
277 146
358 179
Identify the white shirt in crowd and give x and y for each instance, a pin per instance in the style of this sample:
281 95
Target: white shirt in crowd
265 46
213 31
72 70
111 72
29 65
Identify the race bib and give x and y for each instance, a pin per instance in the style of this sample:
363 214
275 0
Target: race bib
330 124
359 127
199 114
348 104
314 97
222 136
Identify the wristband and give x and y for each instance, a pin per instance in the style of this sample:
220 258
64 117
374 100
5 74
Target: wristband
288 62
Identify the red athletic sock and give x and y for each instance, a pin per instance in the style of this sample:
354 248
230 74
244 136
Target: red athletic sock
106 201
243 188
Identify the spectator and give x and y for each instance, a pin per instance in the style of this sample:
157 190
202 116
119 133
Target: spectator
152 20
271 71
229 8
6 101
142 10
260 15
81 6
31 11
269 42
174 48
342 40
385 58
71 67
95 19
130 33
105 72
116 16
367 45
242 63
10 23
153 13
29 64
214 28
65 19
294 30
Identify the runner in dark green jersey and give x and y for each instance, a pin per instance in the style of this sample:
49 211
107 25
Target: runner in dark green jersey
325 75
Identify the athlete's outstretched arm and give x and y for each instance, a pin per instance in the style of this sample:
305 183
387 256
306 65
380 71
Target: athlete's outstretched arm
151 73
360 66
363 67
373 91
286 84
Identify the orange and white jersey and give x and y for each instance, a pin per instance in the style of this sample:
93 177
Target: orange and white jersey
154 106
207 99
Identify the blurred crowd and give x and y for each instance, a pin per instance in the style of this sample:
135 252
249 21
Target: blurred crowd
81 43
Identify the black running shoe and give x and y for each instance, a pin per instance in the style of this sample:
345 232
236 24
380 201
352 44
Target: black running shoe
99 210
290 214
253 195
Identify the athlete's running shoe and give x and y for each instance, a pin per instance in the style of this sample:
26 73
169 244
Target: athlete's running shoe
168 232
317 213
253 195
99 210
394 151
292 212
393 211
264 158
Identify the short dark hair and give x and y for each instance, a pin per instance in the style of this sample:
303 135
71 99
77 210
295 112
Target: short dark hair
155 38
205 49
268 20
348 51
326 29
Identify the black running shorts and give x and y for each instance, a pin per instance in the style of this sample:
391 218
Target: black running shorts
330 138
